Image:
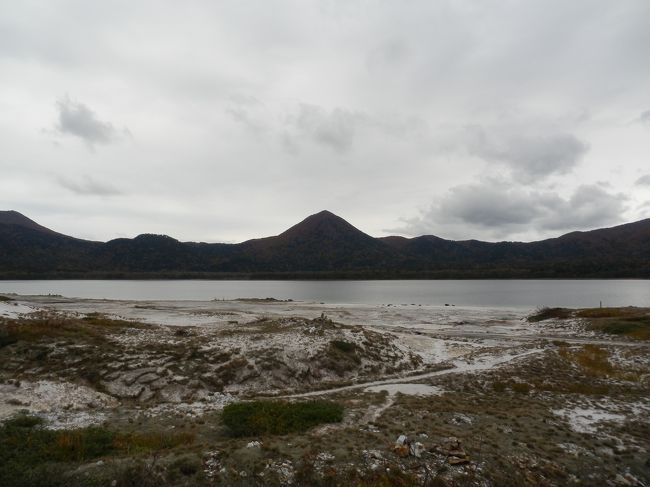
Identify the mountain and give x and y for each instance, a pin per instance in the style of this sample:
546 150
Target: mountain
321 242
322 246
12 217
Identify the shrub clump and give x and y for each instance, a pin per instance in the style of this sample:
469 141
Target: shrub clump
279 417
546 313
343 346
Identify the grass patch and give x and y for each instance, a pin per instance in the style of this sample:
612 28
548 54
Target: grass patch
628 321
631 322
143 442
608 312
637 328
593 359
521 387
47 325
278 417
31 455
546 313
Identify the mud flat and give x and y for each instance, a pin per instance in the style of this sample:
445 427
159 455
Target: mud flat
432 395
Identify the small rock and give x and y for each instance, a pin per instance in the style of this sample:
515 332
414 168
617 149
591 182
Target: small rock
417 449
458 460
147 378
254 444
146 394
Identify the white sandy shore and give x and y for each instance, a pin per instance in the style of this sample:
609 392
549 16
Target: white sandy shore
466 340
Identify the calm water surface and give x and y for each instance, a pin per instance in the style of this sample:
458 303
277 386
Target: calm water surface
488 293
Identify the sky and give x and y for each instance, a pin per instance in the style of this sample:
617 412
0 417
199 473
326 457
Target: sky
221 121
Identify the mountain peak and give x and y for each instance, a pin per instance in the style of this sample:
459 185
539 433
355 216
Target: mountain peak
12 217
322 224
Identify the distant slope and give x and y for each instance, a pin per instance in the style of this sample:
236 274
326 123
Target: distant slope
12 217
29 249
322 246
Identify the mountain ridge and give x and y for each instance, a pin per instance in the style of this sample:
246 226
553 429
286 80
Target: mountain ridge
323 245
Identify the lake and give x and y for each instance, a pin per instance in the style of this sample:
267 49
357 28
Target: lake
484 293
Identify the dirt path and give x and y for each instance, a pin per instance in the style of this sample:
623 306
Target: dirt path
460 368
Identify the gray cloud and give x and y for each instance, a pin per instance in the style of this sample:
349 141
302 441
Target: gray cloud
78 120
529 156
645 117
590 206
334 129
491 205
494 209
246 110
88 186
338 129
643 180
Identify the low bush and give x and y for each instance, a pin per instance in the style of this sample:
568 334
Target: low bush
345 347
546 313
29 454
33 456
278 417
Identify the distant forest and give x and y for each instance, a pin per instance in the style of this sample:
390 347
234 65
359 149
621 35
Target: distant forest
323 246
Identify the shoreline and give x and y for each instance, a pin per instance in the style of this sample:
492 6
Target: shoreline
550 386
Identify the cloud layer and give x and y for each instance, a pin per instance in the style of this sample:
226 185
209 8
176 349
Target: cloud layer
495 210
529 156
469 118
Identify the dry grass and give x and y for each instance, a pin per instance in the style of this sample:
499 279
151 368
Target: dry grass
44 325
630 322
142 442
610 312
593 359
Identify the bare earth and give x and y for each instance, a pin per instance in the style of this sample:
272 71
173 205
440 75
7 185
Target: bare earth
546 403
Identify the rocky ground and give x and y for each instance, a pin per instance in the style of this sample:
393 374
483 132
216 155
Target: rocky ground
432 395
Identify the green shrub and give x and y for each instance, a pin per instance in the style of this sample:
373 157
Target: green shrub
31 456
277 417
23 421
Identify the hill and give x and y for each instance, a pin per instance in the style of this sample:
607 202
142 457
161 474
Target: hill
322 246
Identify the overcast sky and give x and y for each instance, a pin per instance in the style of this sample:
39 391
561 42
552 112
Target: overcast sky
229 120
